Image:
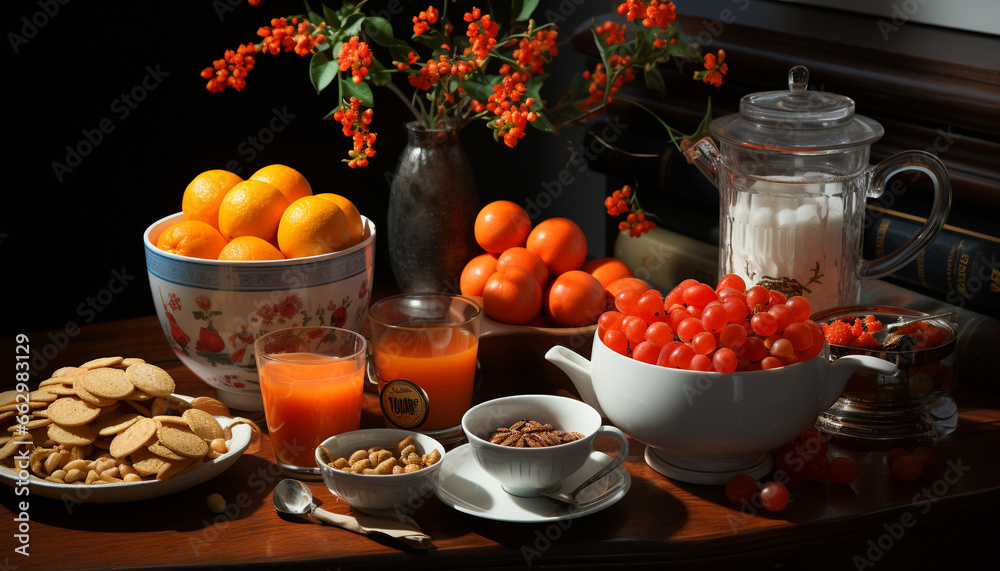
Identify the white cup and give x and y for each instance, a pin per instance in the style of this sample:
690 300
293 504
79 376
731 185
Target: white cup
527 472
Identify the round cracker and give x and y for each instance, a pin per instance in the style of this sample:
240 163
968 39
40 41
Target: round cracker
203 424
145 463
163 452
110 424
172 419
134 437
71 435
90 397
151 379
30 425
72 411
183 442
211 406
101 362
67 372
107 383
172 468
42 395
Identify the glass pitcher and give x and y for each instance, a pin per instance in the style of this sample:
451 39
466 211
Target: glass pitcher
793 174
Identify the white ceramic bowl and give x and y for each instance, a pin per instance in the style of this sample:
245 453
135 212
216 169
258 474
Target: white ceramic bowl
212 311
528 471
378 494
705 427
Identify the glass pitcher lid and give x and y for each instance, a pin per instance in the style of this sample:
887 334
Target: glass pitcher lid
796 119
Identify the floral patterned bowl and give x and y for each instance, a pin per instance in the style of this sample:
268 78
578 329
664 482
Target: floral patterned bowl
212 311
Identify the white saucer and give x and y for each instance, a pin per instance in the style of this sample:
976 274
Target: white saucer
463 485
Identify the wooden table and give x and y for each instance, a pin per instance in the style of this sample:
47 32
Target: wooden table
944 518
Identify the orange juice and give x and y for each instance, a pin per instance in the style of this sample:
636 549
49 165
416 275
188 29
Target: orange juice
440 360
307 398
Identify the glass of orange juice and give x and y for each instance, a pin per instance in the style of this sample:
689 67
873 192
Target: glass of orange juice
311 379
425 347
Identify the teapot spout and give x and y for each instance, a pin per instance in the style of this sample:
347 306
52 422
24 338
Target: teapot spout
577 369
841 371
705 155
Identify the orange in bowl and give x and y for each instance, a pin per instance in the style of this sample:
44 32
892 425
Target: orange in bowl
311 226
192 238
252 208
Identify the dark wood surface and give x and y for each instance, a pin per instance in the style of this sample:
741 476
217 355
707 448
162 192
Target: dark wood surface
659 522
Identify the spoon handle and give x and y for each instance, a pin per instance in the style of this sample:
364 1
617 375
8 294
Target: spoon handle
404 529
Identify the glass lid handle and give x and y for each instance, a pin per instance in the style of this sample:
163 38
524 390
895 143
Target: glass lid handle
798 79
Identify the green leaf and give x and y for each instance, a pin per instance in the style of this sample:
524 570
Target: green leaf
654 80
400 52
352 24
523 9
379 75
379 30
331 17
362 91
543 123
478 90
322 71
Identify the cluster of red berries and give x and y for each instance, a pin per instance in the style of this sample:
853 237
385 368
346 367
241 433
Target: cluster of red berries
598 89
231 70
714 69
654 15
612 32
512 115
355 125
623 201
299 36
356 56
533 53
422 21
482 32
723 329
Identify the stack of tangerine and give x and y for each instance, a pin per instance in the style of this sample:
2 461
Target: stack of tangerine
539 275
273 215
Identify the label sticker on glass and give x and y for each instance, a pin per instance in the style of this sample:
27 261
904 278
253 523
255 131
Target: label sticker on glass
404 404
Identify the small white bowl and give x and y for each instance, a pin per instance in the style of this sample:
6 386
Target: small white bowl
391 494
212 311
527 472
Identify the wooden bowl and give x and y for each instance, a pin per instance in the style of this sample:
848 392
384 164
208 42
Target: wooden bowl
520 350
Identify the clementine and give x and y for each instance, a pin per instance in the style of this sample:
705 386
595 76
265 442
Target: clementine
561 244
289 181
575 299
252 208
311 226
192 238
250 248
525 258
476 272
607 270
204 194
355 224
512 296
500 225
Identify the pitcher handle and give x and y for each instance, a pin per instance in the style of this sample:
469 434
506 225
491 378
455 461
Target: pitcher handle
931 166
704 155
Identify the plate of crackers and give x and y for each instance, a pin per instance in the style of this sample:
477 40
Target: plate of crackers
113 430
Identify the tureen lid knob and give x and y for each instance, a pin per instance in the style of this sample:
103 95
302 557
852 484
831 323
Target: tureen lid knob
798 78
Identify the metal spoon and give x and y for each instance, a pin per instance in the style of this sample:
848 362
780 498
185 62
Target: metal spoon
294 498
887 331
570 497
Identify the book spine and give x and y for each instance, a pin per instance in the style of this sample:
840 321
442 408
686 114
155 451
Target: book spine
960 267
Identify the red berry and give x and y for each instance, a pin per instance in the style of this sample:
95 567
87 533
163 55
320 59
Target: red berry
907 467
774 496
843 470
741 489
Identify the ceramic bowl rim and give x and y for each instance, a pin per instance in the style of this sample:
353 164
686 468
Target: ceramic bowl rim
152 249
365 480
477 441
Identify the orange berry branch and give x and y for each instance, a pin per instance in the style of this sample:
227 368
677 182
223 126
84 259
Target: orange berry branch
474 70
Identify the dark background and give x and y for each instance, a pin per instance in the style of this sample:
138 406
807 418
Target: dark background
110 120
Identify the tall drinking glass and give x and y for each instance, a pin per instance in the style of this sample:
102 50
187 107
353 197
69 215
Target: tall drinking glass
311 380
425 347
